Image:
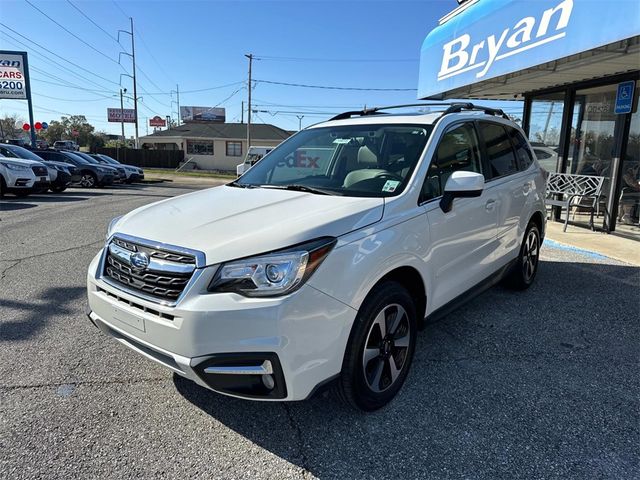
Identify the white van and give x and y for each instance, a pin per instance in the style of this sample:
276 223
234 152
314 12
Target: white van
254 155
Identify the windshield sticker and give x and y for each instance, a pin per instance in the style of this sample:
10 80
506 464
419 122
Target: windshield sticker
390 186
341 141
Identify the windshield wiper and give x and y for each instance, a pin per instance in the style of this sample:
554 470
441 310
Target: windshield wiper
236 184
299 188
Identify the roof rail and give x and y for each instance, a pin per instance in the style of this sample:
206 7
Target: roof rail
458 107
455 107
378 110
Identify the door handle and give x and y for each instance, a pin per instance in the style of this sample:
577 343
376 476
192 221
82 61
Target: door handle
489 205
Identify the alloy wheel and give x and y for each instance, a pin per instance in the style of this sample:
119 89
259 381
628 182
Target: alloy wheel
386 348
87 180
530 255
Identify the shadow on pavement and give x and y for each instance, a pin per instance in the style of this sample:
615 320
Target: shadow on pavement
10 206
21 320
533 384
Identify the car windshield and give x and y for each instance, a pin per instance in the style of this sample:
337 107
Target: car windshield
77 158
109 159
86 157
20 152
354 160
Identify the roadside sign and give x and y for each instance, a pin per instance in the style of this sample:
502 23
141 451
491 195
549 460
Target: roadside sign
12 76
624 97
126 115
157 121
26 127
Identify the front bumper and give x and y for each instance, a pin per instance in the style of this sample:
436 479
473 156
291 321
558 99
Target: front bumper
105 179
62 180
302 335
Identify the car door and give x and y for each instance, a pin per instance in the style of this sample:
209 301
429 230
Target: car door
463 239
510 185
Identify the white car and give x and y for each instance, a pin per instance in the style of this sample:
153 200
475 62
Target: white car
278 284
22 177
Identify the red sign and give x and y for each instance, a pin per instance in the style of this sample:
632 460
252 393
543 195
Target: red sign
38 126
26 127
157 121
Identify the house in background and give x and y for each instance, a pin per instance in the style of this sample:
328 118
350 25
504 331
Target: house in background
214 146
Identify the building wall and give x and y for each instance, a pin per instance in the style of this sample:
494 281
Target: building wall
219 160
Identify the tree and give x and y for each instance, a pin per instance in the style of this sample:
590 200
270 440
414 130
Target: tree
67 127
11 127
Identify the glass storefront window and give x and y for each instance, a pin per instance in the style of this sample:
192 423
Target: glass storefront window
545 124
629 199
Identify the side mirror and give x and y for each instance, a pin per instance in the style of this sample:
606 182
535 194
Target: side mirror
461 184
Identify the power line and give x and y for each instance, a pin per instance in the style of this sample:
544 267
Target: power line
89 18
200 90
324 87
56 55
68 86
74 35
47 74
345 60
118 7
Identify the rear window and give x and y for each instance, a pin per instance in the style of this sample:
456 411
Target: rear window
499 150
523 154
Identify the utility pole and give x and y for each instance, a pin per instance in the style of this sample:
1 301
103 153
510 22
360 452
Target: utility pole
178 101
300 117
135 88
242 113
250 57
122 116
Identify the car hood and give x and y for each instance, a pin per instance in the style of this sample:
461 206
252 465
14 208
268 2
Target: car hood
21 161
228 223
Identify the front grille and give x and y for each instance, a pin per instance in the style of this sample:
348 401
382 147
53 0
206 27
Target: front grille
40 171
164 279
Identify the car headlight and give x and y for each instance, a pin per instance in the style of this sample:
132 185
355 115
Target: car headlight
273 274
112 224
104 170
13 166
60 168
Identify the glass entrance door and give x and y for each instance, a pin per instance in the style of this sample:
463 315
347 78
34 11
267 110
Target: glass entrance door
594 128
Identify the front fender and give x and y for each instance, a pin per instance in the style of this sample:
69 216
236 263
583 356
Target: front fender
351 270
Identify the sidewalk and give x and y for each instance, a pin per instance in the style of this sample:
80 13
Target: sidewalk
611 246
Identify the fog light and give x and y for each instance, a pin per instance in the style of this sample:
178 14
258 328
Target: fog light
267 381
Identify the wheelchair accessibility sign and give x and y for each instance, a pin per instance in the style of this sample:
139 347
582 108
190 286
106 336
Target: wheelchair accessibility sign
624 97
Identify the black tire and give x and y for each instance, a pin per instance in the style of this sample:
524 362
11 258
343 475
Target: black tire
58 189
524 271
359 373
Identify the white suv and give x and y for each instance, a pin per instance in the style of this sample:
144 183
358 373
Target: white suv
22 177
320 263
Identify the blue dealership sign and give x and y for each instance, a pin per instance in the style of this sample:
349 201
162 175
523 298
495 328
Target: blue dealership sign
624 97
496 37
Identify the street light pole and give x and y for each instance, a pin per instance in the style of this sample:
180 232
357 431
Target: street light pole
300 117
250 57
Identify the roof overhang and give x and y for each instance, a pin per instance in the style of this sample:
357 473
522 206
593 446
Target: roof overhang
500 49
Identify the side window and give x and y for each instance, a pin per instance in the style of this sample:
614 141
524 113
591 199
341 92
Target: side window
457 150
499 151
523 154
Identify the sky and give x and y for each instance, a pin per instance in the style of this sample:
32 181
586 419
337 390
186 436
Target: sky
199 48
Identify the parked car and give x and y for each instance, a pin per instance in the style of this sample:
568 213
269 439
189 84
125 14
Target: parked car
119 174
22 177
308 271
547 157
133 173
42 144
66 145
61 175
91 175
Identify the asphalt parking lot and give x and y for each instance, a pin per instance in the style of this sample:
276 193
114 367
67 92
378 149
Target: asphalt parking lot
539 384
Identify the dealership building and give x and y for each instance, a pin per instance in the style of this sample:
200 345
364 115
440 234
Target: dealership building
212 145
576 66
